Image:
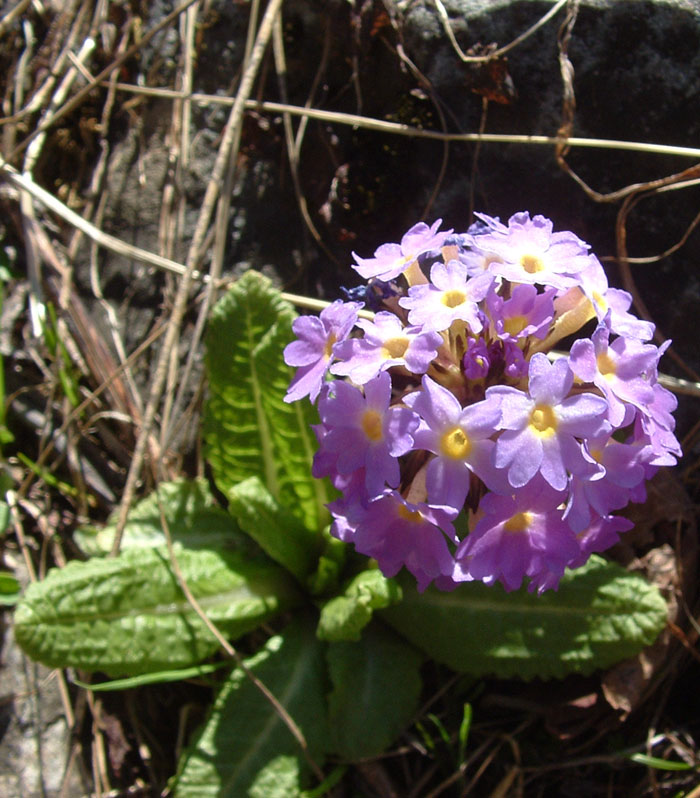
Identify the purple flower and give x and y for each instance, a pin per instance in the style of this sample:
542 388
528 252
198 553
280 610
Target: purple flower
526 312
459 438
391 260
536 450
398 533
612 304
365 432
527 251
477 359
600 535
514 363
386 343
654 427
313 351
517 536
449 297
619 370
541 426
611 484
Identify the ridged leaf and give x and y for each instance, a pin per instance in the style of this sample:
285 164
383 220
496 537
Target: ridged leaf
376 687
128 615
279 533
600 615
244 748
190 512
249 431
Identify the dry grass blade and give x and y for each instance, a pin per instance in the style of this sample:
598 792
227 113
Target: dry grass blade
81 95
471 59
282 713
401 129
228 145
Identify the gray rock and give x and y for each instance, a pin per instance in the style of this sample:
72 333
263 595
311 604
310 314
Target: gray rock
34 737
635 78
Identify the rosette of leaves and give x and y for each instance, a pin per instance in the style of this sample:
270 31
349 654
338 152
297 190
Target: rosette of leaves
347 666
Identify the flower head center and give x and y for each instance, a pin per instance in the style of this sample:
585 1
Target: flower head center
543 420
606 365
455 444
453 298
372 425
519 522
395 347
531 263
515 325
413 516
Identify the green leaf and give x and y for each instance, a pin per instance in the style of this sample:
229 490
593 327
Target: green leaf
249 431
463 734
127 615
376 687
344 617
159 677
326 578
4 514
244 743
325 787
9 589
659 764
600 615
189 510
280 778
280 534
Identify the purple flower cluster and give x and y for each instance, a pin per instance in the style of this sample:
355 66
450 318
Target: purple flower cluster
452 412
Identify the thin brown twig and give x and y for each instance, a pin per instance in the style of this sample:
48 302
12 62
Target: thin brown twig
170 229
24 183
401 129
475 59
292 143
38 99
90 399
629 195
672 249
628 281
427 86
229 143
13 14
83 93
281 711
220 231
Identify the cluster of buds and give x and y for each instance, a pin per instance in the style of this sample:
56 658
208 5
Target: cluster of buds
462 445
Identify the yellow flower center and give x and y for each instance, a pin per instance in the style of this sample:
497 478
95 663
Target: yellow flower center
597 454
455 444
531 263
328 348
372 425
410 515
599 299
606 365
395 347
518 522
515 325
543 420
453 298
